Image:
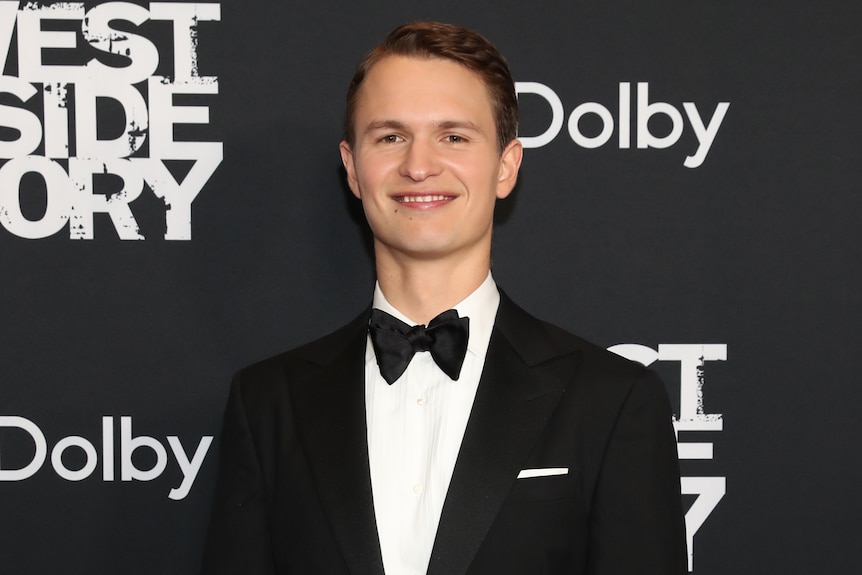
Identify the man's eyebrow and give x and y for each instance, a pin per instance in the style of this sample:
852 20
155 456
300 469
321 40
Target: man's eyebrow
385 125
442 125
458 125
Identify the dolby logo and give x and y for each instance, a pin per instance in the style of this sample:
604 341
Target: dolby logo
24 435
704 127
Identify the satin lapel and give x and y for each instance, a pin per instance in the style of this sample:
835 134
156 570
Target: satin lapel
521 385
331 417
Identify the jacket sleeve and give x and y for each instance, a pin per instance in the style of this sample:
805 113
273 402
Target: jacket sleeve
636 523
238 539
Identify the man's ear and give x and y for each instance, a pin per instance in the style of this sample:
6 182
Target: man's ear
349 166
510 163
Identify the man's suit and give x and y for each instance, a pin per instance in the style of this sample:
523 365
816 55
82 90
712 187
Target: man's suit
294 490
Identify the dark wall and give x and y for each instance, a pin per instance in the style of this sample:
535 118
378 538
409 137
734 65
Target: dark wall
128 301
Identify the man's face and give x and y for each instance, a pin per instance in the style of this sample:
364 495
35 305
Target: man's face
425 161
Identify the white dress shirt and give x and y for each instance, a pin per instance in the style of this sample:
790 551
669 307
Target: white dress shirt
415 429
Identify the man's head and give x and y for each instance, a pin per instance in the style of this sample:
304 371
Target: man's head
424 151
446 42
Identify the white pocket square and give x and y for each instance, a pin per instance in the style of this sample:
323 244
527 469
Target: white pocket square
543 472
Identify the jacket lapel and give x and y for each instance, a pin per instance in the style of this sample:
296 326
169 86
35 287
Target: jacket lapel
524 377
331 420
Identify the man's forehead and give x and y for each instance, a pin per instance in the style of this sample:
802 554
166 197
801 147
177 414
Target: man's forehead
395 75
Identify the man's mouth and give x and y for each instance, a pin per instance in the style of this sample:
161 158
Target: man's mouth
423 199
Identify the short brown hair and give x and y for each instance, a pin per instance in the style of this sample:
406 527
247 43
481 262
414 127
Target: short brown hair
448 42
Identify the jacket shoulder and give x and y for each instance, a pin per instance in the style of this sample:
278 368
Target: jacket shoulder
537 340
319 352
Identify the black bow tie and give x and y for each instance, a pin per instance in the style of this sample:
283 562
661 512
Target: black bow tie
395 342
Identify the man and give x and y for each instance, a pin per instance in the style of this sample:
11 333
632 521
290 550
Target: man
488 443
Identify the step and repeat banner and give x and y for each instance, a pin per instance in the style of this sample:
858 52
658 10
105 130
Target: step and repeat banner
173 208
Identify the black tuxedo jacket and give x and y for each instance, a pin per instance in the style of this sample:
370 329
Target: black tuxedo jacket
294 490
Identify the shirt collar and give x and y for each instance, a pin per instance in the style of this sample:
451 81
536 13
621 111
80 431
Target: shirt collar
480 306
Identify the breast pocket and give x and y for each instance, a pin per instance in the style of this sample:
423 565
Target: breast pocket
547 484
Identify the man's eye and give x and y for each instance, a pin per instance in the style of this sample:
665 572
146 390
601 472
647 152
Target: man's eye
455 139
389 139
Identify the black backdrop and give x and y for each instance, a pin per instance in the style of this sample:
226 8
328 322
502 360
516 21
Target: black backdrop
752 255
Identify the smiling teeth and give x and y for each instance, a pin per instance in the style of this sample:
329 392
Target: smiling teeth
410 199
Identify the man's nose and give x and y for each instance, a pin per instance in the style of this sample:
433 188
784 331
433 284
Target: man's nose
420 160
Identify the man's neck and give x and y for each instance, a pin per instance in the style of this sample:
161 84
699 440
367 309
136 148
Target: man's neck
423 289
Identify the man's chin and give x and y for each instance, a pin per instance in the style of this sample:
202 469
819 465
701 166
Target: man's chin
427 248
418 248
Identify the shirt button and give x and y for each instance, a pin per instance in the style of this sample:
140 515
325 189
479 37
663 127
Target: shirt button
417 489
421 401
